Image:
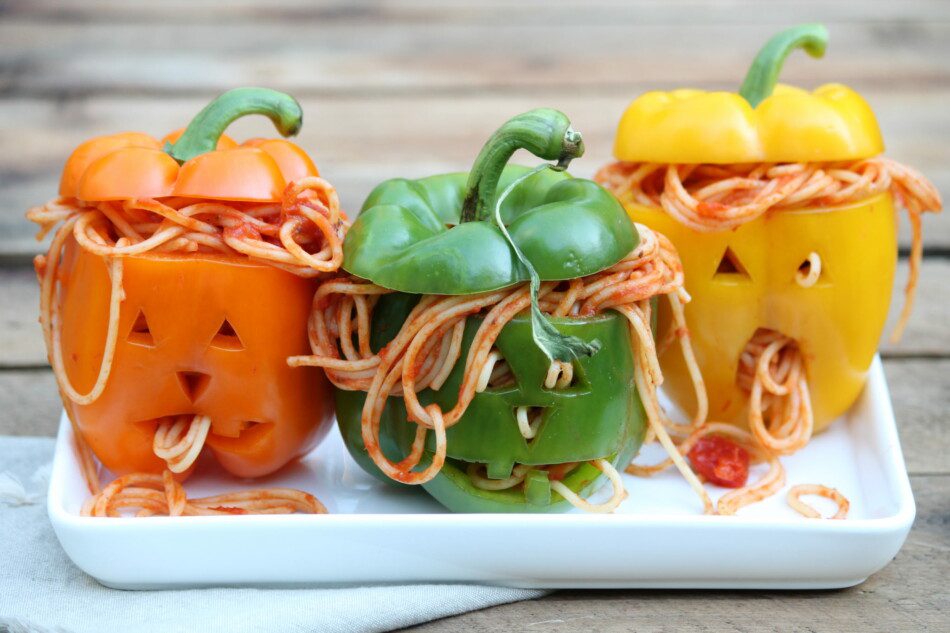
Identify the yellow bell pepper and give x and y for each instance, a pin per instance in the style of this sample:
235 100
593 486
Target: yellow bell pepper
744 279
837 322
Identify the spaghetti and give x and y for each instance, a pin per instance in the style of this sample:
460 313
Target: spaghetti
179 441
771 369
709 198
162 495
426 349
302 234
794 500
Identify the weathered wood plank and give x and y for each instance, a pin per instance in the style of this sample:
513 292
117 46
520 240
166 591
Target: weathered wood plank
21 340
31 404
359 141
927 335
314 56
921 400
910 594
928 331
577 13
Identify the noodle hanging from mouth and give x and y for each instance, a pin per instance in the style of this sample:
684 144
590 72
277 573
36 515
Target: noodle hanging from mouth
425 349
179 441
772 370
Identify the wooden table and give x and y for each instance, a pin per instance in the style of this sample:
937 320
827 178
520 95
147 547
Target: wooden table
413 88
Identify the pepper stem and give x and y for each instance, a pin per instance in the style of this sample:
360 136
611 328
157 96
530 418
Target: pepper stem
763 73
544 132
206 128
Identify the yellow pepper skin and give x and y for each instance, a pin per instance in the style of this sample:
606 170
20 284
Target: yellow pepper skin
790 126
765 122
837 322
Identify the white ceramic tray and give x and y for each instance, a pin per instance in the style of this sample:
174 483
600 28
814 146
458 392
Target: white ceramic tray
375 534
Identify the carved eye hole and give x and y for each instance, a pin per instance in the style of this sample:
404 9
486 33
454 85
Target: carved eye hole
560 376
496 374
141 333
227 338
730 267
811 271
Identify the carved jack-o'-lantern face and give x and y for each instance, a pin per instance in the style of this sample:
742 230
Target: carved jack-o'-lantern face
599 415
745 279
198 334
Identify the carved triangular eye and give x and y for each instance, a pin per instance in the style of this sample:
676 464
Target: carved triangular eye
729 264
496 374
227 338
141 333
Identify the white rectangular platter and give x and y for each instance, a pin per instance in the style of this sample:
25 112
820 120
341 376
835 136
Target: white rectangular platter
376 534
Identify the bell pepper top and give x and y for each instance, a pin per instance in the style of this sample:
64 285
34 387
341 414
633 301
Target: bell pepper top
763 122
435 235
455 234
197 162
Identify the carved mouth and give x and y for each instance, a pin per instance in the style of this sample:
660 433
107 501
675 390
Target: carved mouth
250 434
772 371
782 354
180 439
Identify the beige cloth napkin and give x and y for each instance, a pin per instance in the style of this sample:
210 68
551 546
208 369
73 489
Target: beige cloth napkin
41 590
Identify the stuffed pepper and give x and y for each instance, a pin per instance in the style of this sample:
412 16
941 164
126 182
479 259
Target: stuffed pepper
492 339
178 282
783 210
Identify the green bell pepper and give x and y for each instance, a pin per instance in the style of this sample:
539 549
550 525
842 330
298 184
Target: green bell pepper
496 227
599 416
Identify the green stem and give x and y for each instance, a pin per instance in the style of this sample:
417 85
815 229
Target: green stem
206 128
763 73
544 132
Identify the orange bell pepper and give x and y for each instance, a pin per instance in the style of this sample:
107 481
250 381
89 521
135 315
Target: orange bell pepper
198 333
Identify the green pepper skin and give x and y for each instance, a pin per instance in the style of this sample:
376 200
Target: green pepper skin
408 236
600 416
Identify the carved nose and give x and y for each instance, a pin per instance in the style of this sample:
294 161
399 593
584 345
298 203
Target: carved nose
193 383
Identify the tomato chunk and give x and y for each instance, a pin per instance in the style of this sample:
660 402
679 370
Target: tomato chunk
721 461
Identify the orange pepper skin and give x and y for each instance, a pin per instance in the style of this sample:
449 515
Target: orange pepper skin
186 364
293 161
133 165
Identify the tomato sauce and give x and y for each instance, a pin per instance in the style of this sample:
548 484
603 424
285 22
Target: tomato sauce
721 461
